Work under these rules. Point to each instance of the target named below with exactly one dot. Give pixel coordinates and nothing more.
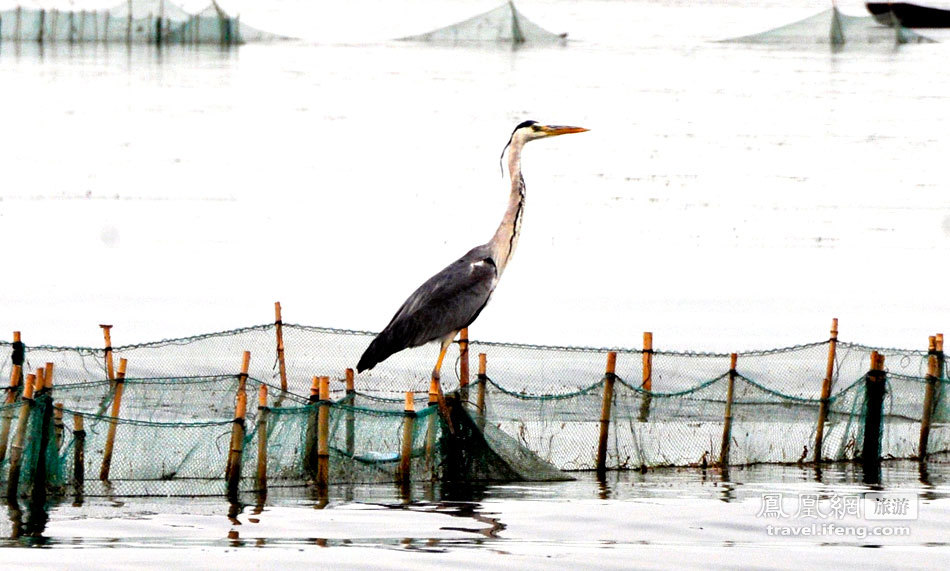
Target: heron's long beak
(552, 130)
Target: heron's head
(531, 130)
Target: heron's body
(450, 300)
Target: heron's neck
(505, 240)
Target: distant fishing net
(832, 27)
(534, 414)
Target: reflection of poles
(727, 416)
(609, 378)
(826, 390)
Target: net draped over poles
(535, 412)
(831, 27)
(503, 24)
(131, 22)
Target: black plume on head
(524, 124)
(527, 123)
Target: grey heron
(450, 300)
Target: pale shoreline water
(653, 520)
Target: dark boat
(909, 15)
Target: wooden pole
(279, 328)
(113, 423)
(431, 426)
(79, 452)
(48, 377)
(232, 471)
(826, 390)
(310, 453)
(7, 419)
(929, 390)
(350, 417)
(16, 450)
(609, 378)
(323, 434)
(482, 381)
(18, 356)
(875, 382)
(262, 415)
(463, 358)
(405, 457)
(58, 426)
(727, 417)
(107, 334)
(237, 444)
(647, 376)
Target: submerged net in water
(536, 412)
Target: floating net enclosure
(503, 24)
(180, 417)
(831, 27)
(130, 22)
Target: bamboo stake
(263, 412)
(48, 377)
(727, 417)
(16, 450)
(875, 383)
(279, 328)
(310, 453)
(431, 426)
(826, 390)
(19, 355)
(609, 378)
(110, 368)
(8, 415)
(113, 423)
(58, 426)
(350, 417)
(79, 452)
(463, 358)
(647, 376)
(237, 444)
(323, 434)
(232, 471)
(482, 381)
(405, 457)
(929, 390)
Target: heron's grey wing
(446, 302)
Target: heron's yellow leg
(436, 378)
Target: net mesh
(135, 21)
(831, 27)
(503, 24)
(538, 413)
